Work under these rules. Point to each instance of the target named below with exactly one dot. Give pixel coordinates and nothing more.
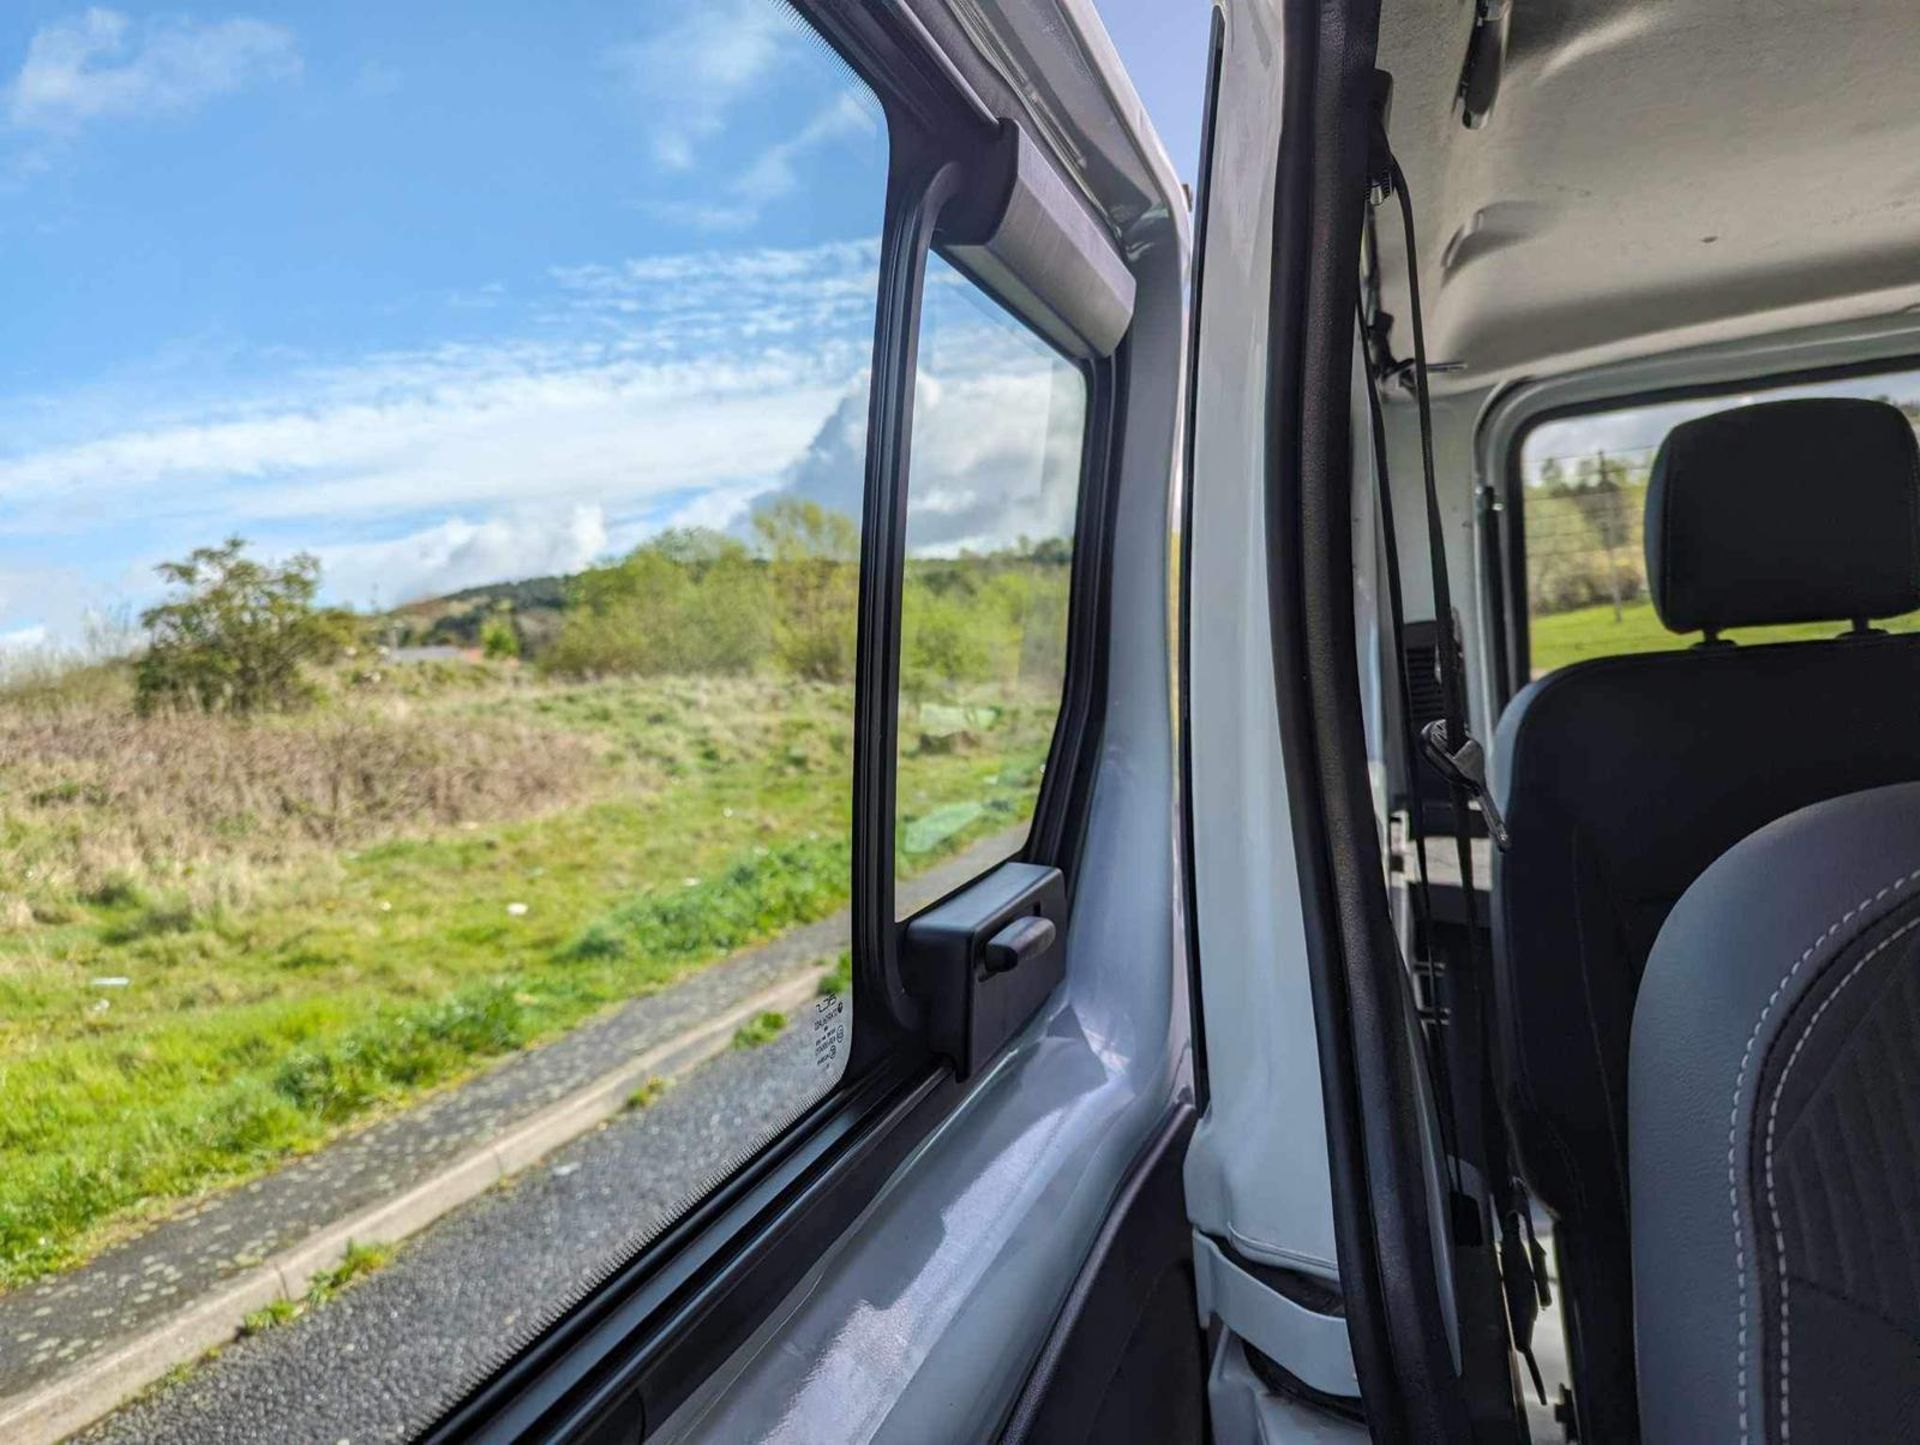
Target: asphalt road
(375, 1363)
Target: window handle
(1020, 940)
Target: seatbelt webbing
(1453, 751)
(1434, 1055)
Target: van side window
(993, 489)
(432, 461)
(1582, 490)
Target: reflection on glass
(998, 425)
(1585, 498)
(430, 470)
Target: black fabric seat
(1623, 779)
(1774, 1114)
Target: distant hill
(538, 605)
(455, 620)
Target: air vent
(1426, 701)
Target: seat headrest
(1786, 511)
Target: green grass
(359, 1261)
(1556, 639)
(649, 1093)
(322, 986)
(838, 979)
(760, 1030)
(270, 1315)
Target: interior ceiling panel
(1656, 173)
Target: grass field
(1558, 638)
(228, 940)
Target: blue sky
(1163, 44)
(442, 302)
(437, 302)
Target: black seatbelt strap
(1450, 747)
(1453, 751)
(1435, 1052)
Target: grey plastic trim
(1246, 1412)
(1052, 258)
(1258, 1173)
(1312, 1347)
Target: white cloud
(713, 370)
(631, 430)
(702, 380)
(689, 76)
(996, 453)
(458, 553)
(100, 66)
(773, 174)
(702, 215)
(997, 439)
(718, 509)
(698, 277)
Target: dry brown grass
(95, 801)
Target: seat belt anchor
(1465, 767)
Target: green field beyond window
(433, 462)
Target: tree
(726, 620)
(686, 601)
(813, 557)
(1603, 502)
(499, 638)
(239, 638)
(624, 618)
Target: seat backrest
(1622, 779)
(1774, 1113)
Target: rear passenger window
(993, 488)
(1582, 489)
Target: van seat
(1624, 778)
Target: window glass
(431, 459)
(998, 427)
(1585, 480)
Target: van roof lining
(1656, 174)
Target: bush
(948, 639)
(995, 619)
(813, 558)
(238, 640)
(499, 639)
(685, 602)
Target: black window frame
(614, 1361)
(886, 1016)
(1505, 544)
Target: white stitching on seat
(1773, 1114)
(1733, 1132)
